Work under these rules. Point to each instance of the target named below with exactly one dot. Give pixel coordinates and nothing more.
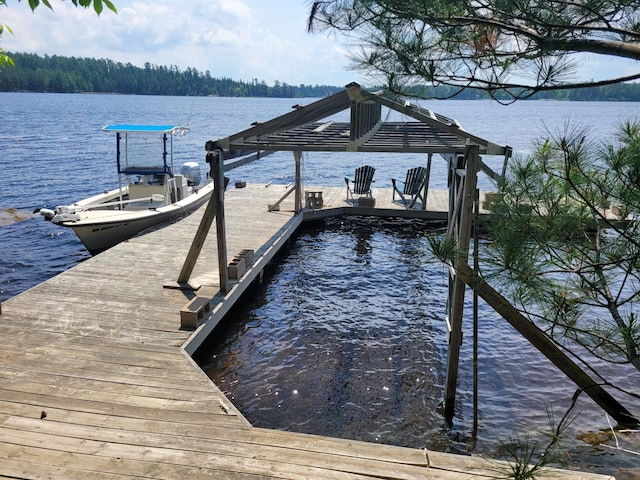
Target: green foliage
(98, 5)
(527, 456)
(509, 49)
(33, 73)
(54, 73)
(4, 58)
(444, 248)
(557, 249)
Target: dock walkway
(96, 380)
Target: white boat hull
(150, 191)
(100, 229)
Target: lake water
(379, 371)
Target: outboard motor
(191, 171)
(47, 213)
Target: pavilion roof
(308, 128)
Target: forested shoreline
(35, 73)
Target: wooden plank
(99, 442)
(319, 449)
(216, 426)
(43, 401)
(72, 464)
(15, 469)
(64, 339)
(115, 397)
(46, 322)
(113, 383)
(118, 373)
(121, 358)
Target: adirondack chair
(361, 184)
(413, 188)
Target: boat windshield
(145, 149)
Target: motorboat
(150, 192)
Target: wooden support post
(215, 209)
(298, 198)
(201, 234)
(276, 206)
(426, 181)
(507, 155)
(221, 233)
(546, 346)
(462, 189)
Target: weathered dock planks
(96, 380)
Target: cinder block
(313, 200)
(366, 202)
(195, 312)
(248, 256)
(236, 268)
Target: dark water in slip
(346, 336)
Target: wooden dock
(96, 378)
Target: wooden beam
(545, 345)
(460, 229)
(425, 116)
(315, 111)
(246, 159)
(218, 190)
(276, 206)
(425, 193)
(201, 233)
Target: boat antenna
(193, 101)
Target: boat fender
(47, 213)
(65, 217)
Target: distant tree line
(33, 73)
(620, 92)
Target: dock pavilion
(310, 128)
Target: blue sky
(239, 39)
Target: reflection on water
(13, 215)
(346, 338)
(322, 349)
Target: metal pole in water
(476, 269)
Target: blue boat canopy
(138, 153)
(131, 128)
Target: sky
(239, 39)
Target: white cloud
(245, 39)
(240, 39)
